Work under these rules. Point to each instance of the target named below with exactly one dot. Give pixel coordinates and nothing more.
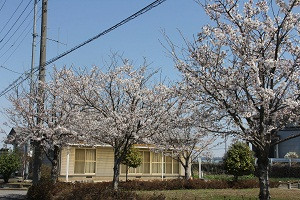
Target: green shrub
(239, 160)
(45, 172)
(40, 191)
(9, 163)
(284, 170)
(46, 190)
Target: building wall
(104, 167)
(292, 145)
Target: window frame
(85, 161)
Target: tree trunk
(54, 169)
(263, 176)
(37, 162)
(6, 178)
(187, 175)
(116, 176)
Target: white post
(68, 159)
(199, 162)
(162, 166)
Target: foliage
(133, 158)
(46, 190)
(187, 133)
(9, 163)
(119, 107)
(45, 172)
(89, 191)
(244, 66)
(239, 160)
(291, 155)
(285, 170)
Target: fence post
(298, 185)
(289, 185)
(200, 171)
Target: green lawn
(230, 177)
(232, 194)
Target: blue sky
(73, 21)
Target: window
(170, 165)
(144, 168)
(85, 161)
(156, 163)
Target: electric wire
(8, 69)
(27, 28)
(17, 46)
(15, 22)
(16, 30)
(2, 5)
(11, 16)
(26, 74)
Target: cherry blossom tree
(58, 118)
(122, 107)
(245, 66)
(187, 135)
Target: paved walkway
(12, 194)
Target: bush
(45, 172)
(9, 163)
(284, 170)
(89, 191)
(239, 160)
(46, 190)
(40, 191)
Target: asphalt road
(12, 194)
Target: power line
(17, 46)
(15, 22)
(2, 5)
(16, 39)
(11, 16)
(9, 69)
(28, 31)
(26, 75)
(16, 29)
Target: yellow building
(79, 163)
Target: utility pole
(38, 153)
(34, 35)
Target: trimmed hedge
(94, 191)
(46, 190)
(284, 170)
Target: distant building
(292, 145)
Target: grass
(230, 177)
(232, 194)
